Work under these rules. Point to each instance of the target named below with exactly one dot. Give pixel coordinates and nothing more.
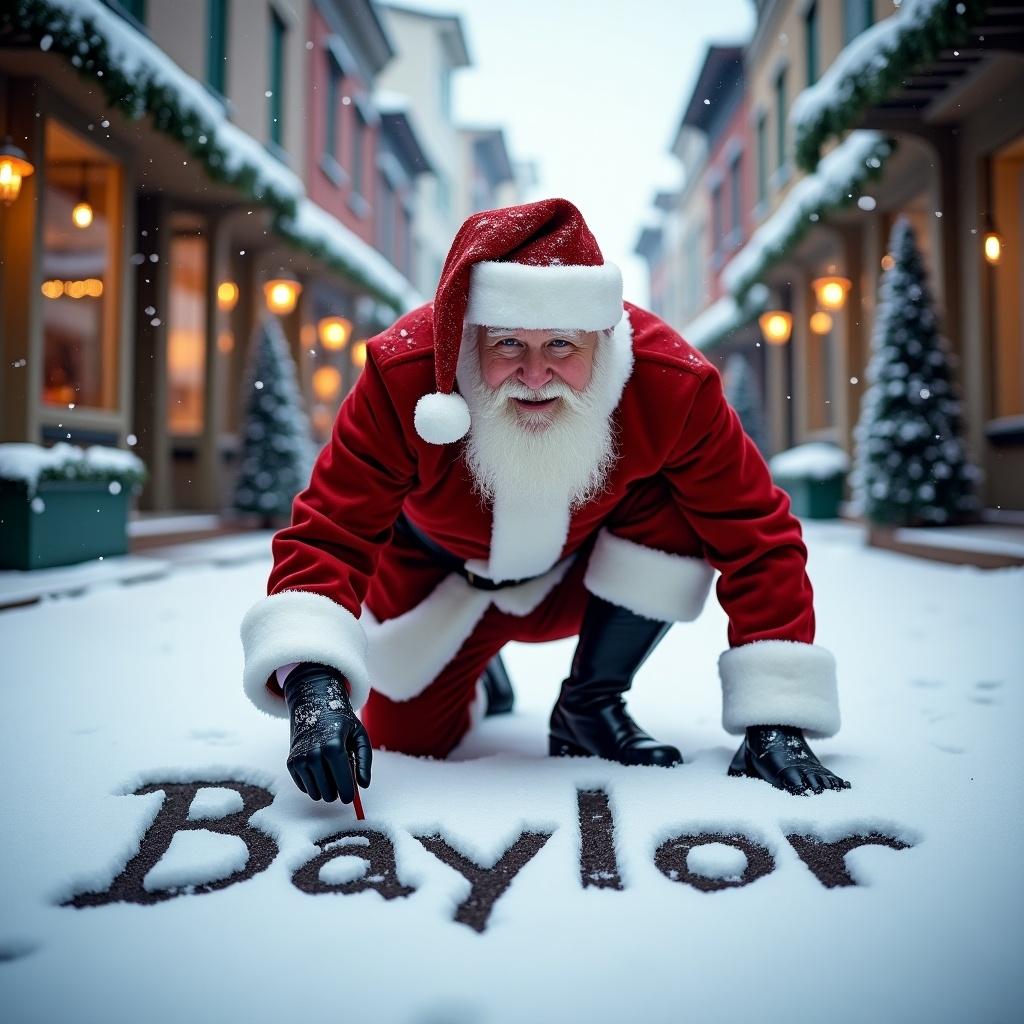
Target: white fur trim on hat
(656, 584)
(441, 418)
(545, 298)
(297, 625)
(779, 682)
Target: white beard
(558, 457)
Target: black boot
(779, 754)
(497, 688)
(590, 717)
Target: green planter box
(67, 521)
(813, 499)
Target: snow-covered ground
(132, 685)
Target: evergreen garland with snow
(931, 26)
(911, 463)
(741, 393)
(278, 450)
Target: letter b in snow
(172, 818)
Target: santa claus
(528, 458)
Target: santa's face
(536, 371)
(540, 412)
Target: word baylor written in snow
(598, 863)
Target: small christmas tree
(911, 463)
(278, 450)
(741, 394)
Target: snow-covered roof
(864, 66)
(724, 316)
(325, 232)
(839, 174)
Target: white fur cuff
(652, 583)
(779, 682)
(545, 298)
(297, 625)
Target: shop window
(811, 34)
(358, 152)
(278, 31)
(217, 46)
(81, 228)
(186, 334)
(1007, 277)
(857, 16)
(762, 157)
(821, 399)
(781, 113)
(332, 112)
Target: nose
(534, 371)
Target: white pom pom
(442, 419)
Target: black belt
(443, 556)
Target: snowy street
(139, 685)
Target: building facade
(184, 157)
(858, 113)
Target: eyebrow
(511, 332)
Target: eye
(560, 343)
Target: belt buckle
(470, 577)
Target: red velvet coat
(689, 493)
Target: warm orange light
(821, 322)
(227, 296)
(888, 261)
(282, 294)
(993, 247)
(326, 383)
(82, 215)
(225, 342)
(776, 326)
(334, 332)
(91, 287)
(831, 291)
(13, 167)
(359, 353)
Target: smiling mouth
(535, 404)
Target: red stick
(357, 803)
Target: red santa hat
(534, 267)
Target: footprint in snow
(16, 949)
(949, 748)
(215, 737)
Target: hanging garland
(53, 28)
(836, 196)
(947, 26)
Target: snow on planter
(814, 461)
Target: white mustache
(553, 389)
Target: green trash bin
(812, 475)
(64, 522)
(64, 504)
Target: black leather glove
(325, 734)
(779, 754)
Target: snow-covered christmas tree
(741, 394)
(911, 464)
(278, 450)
